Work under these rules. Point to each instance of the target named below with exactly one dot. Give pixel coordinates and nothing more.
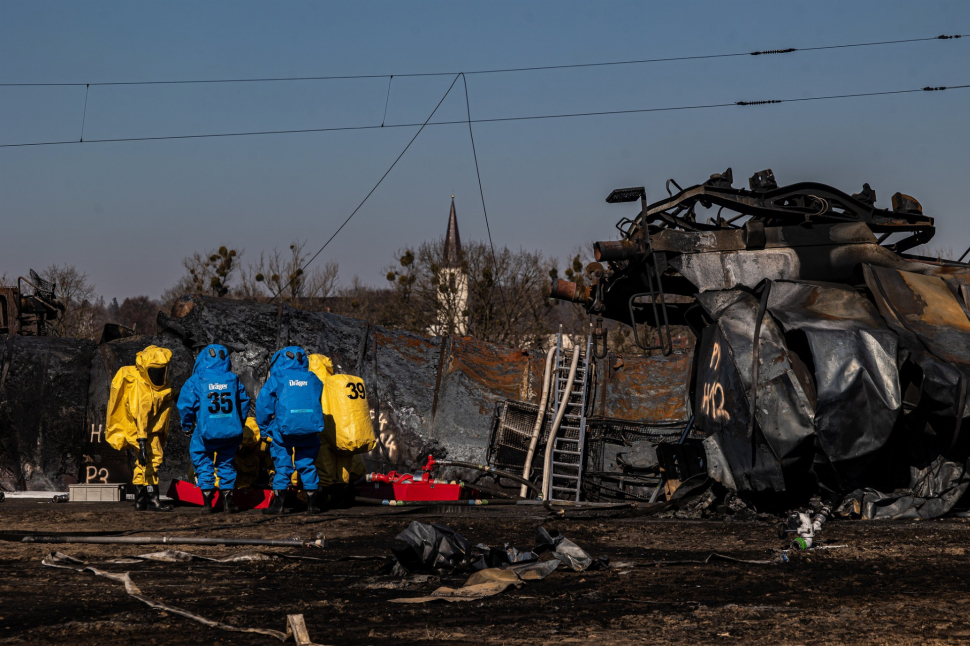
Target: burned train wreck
(829, 361)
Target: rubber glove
(143, 452)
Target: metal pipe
(607, 250)
(171, 540)
(475, 502)
(547, 463)
(567, 290)
(537, 429)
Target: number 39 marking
(356, 391)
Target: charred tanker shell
(854, 380)
(43, 390)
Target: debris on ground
(438, 548)
(295, 629)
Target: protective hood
(290, 358)
(152, 364)
(213, 358)
(321, 366)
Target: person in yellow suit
(139, 408)
(253, 458)
(337, 471)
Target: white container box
(97, 492)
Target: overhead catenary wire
(504, 70)
(84, 114)
(566, 115)
(468, 111)
(369, 193)
(387, 99)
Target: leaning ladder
(568, 451)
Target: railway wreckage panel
(828, 362)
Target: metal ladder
(568, 452)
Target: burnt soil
(895, 582)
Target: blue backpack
(213, 398)
(289, 402)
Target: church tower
(452, 284)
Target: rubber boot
(154, 504)
(207, 496)
(313, 501)
(348, 495)
(276, 506)
(141, 499)
(228, 505)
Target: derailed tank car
(829, 361)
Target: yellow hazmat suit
(333, 466)
(139, 407)
(253, 456)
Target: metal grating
(511, 433)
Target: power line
(387, 100)
(481, 192)
(506, 70)
(369, 193)
(702, 106)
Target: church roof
(453, 254)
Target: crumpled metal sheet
(934, 490)
(934, 329)
(784, 414)
(855, 377)
(831, 389)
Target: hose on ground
(487, 469)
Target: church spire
(453, 254)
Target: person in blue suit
(288, 409)
(215, 403)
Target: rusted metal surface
(645, 389)
(476, 377)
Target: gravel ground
(893, 583)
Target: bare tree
(506, 294)
(75, 291)
(281, 273)
(209, 274)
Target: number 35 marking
(356, 391)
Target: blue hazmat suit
(288, 409)
(215, 401)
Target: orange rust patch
(939, 305)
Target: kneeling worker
(138, 412)
(215, 403)
(288, 410)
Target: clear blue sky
(126, 213)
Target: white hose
(537, 429)
(563, 403)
